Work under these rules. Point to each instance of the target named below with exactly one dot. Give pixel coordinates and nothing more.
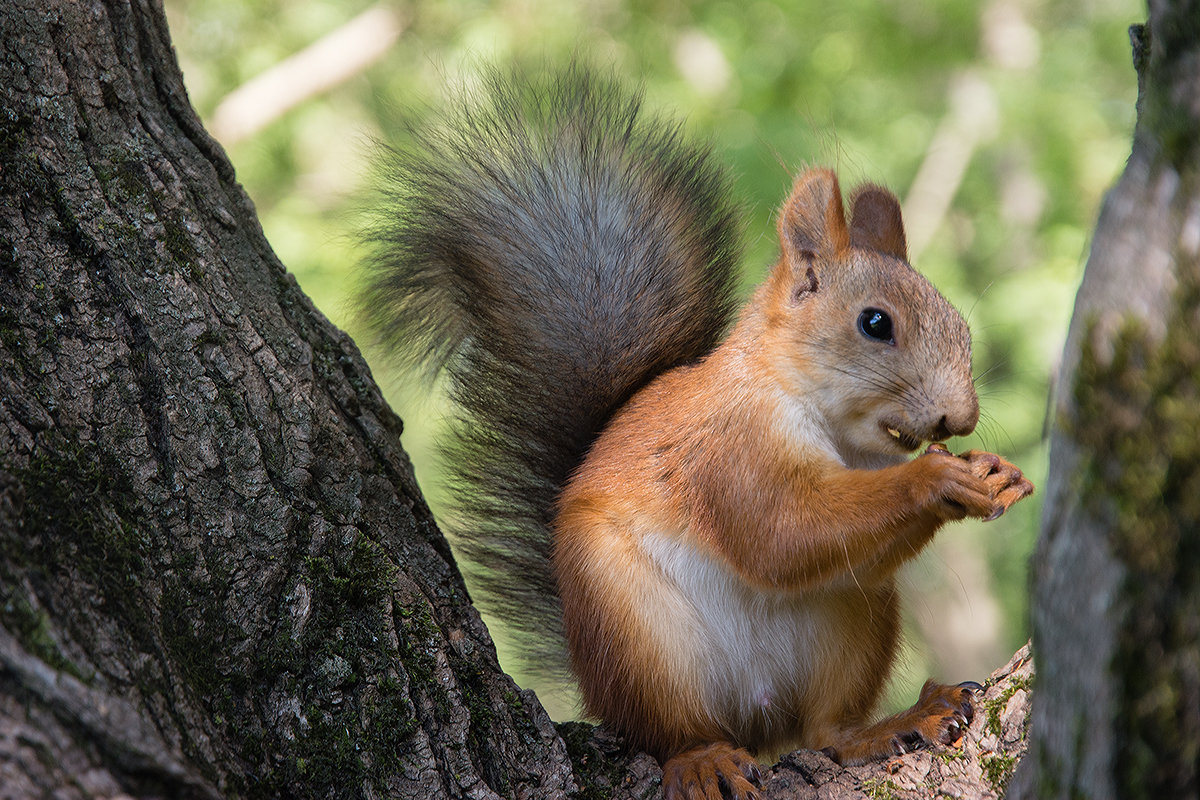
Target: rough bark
(1117, 570)
(217, 575)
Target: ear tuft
(812, 222)
(876, 223)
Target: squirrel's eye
(876, 324)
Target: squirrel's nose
(958, 424)
(943, 431)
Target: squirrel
(707, 508)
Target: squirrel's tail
(549, 249)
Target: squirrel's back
(550, 249)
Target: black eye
(876, 324)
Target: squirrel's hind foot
(939, 717)
(702, 772)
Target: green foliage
(1038, 97)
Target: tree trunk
(1117, 570)
(217, 575)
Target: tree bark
(217, 575)
(1117, 569)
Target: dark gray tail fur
(550, 249)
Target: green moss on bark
(597, 773)
(994, 708)
(31, 627)
(998, 771)
(322, 666)
(77, 524)
(1137, 419)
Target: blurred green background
(999, 124)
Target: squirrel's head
(858, 334)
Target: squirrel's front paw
(977, 483)
(956, 489)
(1004, 480)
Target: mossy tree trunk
(1117, 571)
(217, 577)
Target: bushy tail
(548, 248)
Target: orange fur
(725, 554)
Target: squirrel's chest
(772, 664)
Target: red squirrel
(708, 517)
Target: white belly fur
(764, 656)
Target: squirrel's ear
(812, 222)
(875, 221)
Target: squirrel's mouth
(904, 439)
